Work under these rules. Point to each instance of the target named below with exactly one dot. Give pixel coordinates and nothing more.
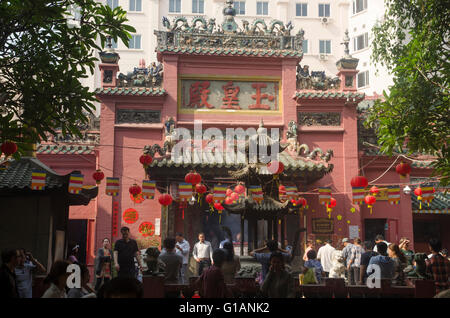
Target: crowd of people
(352, 260)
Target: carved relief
(319, 119)
(133, 116)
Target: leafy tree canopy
(42, 60)
(412, 41)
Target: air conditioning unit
(323, 57)
(325, 20)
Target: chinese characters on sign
(229, 95)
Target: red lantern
(98, 176)
(418, 191)
(330, 206)
(282, 189)
(359, 182)
(200, 188)
(146, 229)
(218, 206)
(135, 190)
(228, 192)
(370, 200)
(275, 167)
(302, 202)
(145, 160)
(234, 196)
(403, 169)
(228, 201)
(239, 189)
(193, 178)
(374, 190)
(209, 198)
(8, 148)
(165, 199)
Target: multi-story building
(363, 16)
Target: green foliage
(413, 43)
(43, 59)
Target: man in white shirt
(202, 253)
(378, 239)
(183, 248)
(325, 256)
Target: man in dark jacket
(10, 260)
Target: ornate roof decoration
(131, 91)
(142, 76)
(65, 149)
(206, 38)
(316, 80)
(330, 94)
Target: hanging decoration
(130, 216)
(330, 205)
(370, 200)
(374, 191)
(292, 192)
(75, 183)
(239, 189)
(165, 199)
(418, 192)
(219, 207)
(193, 178)
(302, 202)
(135, 190)
(184, 191)
(200, 189)
(234, 197)
(359, 182)
(228, 192)
(38, 180)
(275, 167)
(145, 160)
(257, 193)
(228, 201)
(428, 194)
(393, 194)
(403, 169)
(115, 219)
(324, 195)
(358, 195)
(8, 148)
(139, 198)
(148, 189)
(98, 176)
(219, 193)
(210, 200)
(282, 193)
(146, 229)
(112, 186)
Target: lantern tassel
(370, 207)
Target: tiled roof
(131, 91)
(439, 205)
(18, 175)
(290, 163)
(65, 149)
(231, 51)
(328, 95)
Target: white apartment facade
(363, 15)
(324, 23)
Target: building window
(135, 5)
(363, 79)
(239, 6)
(135, 42)
(359, 5)
(175, 6)
(301, 9)
(305, 46)
(112, 3)
(198, 6)
(262, 8)
(325, 46)
(324, 10)
(361, 42)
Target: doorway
(373, 227)
(77, 234)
